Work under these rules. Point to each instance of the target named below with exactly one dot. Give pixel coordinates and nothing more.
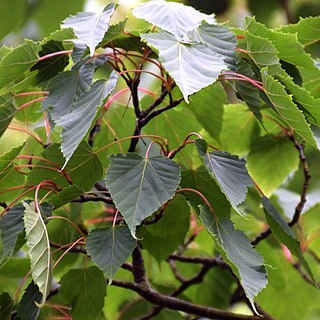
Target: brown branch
(303, 196)
(93, 198)
(75, 249)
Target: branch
(93, 198)
(303, 197)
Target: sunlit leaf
(192, 66)
(173, 17)
(228, 170)
(139, 186)
(109, 248)
(238, 252)
(90, 27)
(84, 290)
(38, 249)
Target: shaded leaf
(228, 170)
(109, 248)
(173, 17)
(50, 67)
(77, 123)
(139, 186)
(16, 62)
(90, 27)
(66, 195)
(6, 304)
(163, 238)
(192, 66)
(283, 233)
(27, 308)
(7, 112)
(65, 88)
(38, 249)
(84, 167)
(238, 252)
(270, 161)
(84, 290)
(283, 105)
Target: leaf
(163, 238)
(84, 290)
(84, 167)
(239, 129)
(201, 104)
(38, 249)
(7, 112)
(90, 27)
(219, 39)
(28, 307)
(139, 186)
(173, 17)
(284, 234)
(283, 105)
(192, 66)
(7, 158)
(65, 88)
(6, 304)
(50, 67)
(238, 252)
(228, 170)
(66, 195)
(307, 29)
(199, 179)
(110, 247)
(77, 123)
(11, 226)
(270, 161)
(16, 62)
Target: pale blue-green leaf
(139, 186)
(38, 249)
(173, 17)
(283, 232)
(109, 248)
(192, 66)
(90, 27)
(65, 88)
(238, 252)
(77, 123)
(228, 170)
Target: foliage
(151, 161)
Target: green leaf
(28, 307)
(66, 195)
(65, 88)
(219, 39)
(6, 304)
(16, 62)
(38, 249)
(173, 17)
(90, 27)
(201, 104)
(307, 29)
(238, 252)
(7, 159)
(239, 129)
(283, 105)
(270, 161)
(77, 123)
(228, 170)
(109, 248)
(84, 167)
(192, 66)
(139, 186)
(7, 112)
(50, 67)
(11, 226)
(283, 232)
(199, 179)
(163, 238)
(84, 290)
